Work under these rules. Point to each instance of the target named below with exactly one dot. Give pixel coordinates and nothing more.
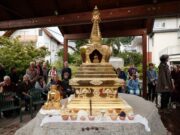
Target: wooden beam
(126, 13)
(132, 32)
(65, 55)
(144, 49)
(8, 33)
(149, 25)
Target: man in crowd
(66, 69)
(164, 83)
(2, 72)
(152, 80)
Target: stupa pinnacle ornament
(95, 37)
(95, 52)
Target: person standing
(32, 73)
(164, 83)
(45, 72)
(2, 72)
(66, 69)
(152, 81)
(14, 75)
(39, 68)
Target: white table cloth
(142, 107)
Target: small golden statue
(53, 99)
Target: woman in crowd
(52, 72)
(55, 81)
(24, 88)
(66, 89)
(133, 85)
(32, 73)
(41, 85)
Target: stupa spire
(95, 37)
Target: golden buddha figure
(53, 99)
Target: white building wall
(161, 43)
(40, 41)
(165, 39)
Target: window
(40, 32)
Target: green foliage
(131, 58)
(74, 58)
(116, 43)
(14, 53)
(79, 43)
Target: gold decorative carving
(96, 82)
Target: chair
(7, 104)
(35, 98)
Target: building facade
(165, 40)
(41, 37)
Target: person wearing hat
(164, 83)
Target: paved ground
(8, 126)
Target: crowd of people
(165, 82)
(37, 76)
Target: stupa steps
(96, 75)
(97, 65)
(97, 72)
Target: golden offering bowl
(73, 117)
(65, 117)
(91, 118)
(110, 110)
(114, 117)
(131, 117)
(83, 118)
(75, 110)
(118, 111)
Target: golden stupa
(96, 79)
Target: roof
(75, 16)
(51, 36)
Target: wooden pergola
(119, 18)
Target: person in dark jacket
(66, 69)
(2, 73)
(14, 76)
(24, 88)
(164, 83)
(66, 89)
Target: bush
(13, 53)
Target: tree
(13, 53)
(116, 43)
(81, 42)
(74, 58)
(131, 58)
